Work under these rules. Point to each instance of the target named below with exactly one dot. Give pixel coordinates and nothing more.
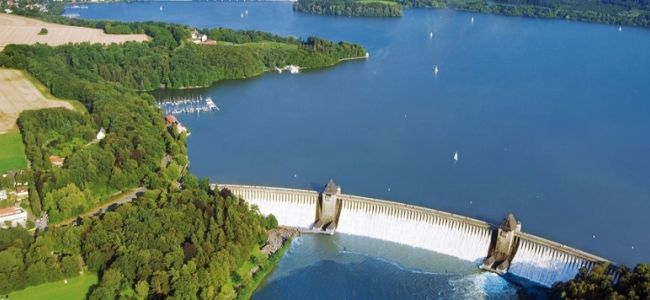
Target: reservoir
(549, 119)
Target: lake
(549, 117)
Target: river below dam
(549, 119)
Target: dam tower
(502, 247)
(328, 209)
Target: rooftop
(331, 188)
(510, 223)
(7, 211)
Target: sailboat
(456, 156)
(435, 70)
(246, 12)
(431, 34)
(242, 15)
(472, 20)
(161, 8)
(620, 28)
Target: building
(56, 160)
(12, 216)
(101, 134)
(3, 195)
(22, 192)
(171, 121)
(198, 38)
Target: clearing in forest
(17, 93)
(25, 31)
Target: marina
(187, 105)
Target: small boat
(161, 8)
(620, 28)
(431, 34)
(472, 20)
(367, 54)
(293, 69)
(435, 70)
(246, 12)
(456, 156)
(242, 15)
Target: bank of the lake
(548, 118)
(633, 14)
(254, 274)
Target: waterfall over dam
(546, 262)
(293, 208)
(428, 229)
(502, 249)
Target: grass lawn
(12, 152)
(76, 288)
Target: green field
(12, 152)
(76, 288)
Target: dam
(502, 249)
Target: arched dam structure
(503, 249)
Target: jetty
(184, 105)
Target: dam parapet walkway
(503, 249)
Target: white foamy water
(417, 229)
(294, 209)
(544, 265)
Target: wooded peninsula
(180, 238)
(623, 12)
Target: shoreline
(278, 243)
(596, 14)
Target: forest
(597, 284)
(624, 12)
(168, 243)
(180, 239)
(349, 8)
(107, 80)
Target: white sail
(435, 70)
(456, 156)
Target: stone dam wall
(533, 258)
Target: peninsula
(177, 237)
(627, 12)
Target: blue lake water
(550, 119)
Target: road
(119, 200)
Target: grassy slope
(12, 152)
(76, 288)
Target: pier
(185, 105)
(503, 249)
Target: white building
(101, 134)
(15, 215)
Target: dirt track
(21, 30)
(17, 93)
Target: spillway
(504, 249)
(432, 230)
(546, 262)
(293, 208)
